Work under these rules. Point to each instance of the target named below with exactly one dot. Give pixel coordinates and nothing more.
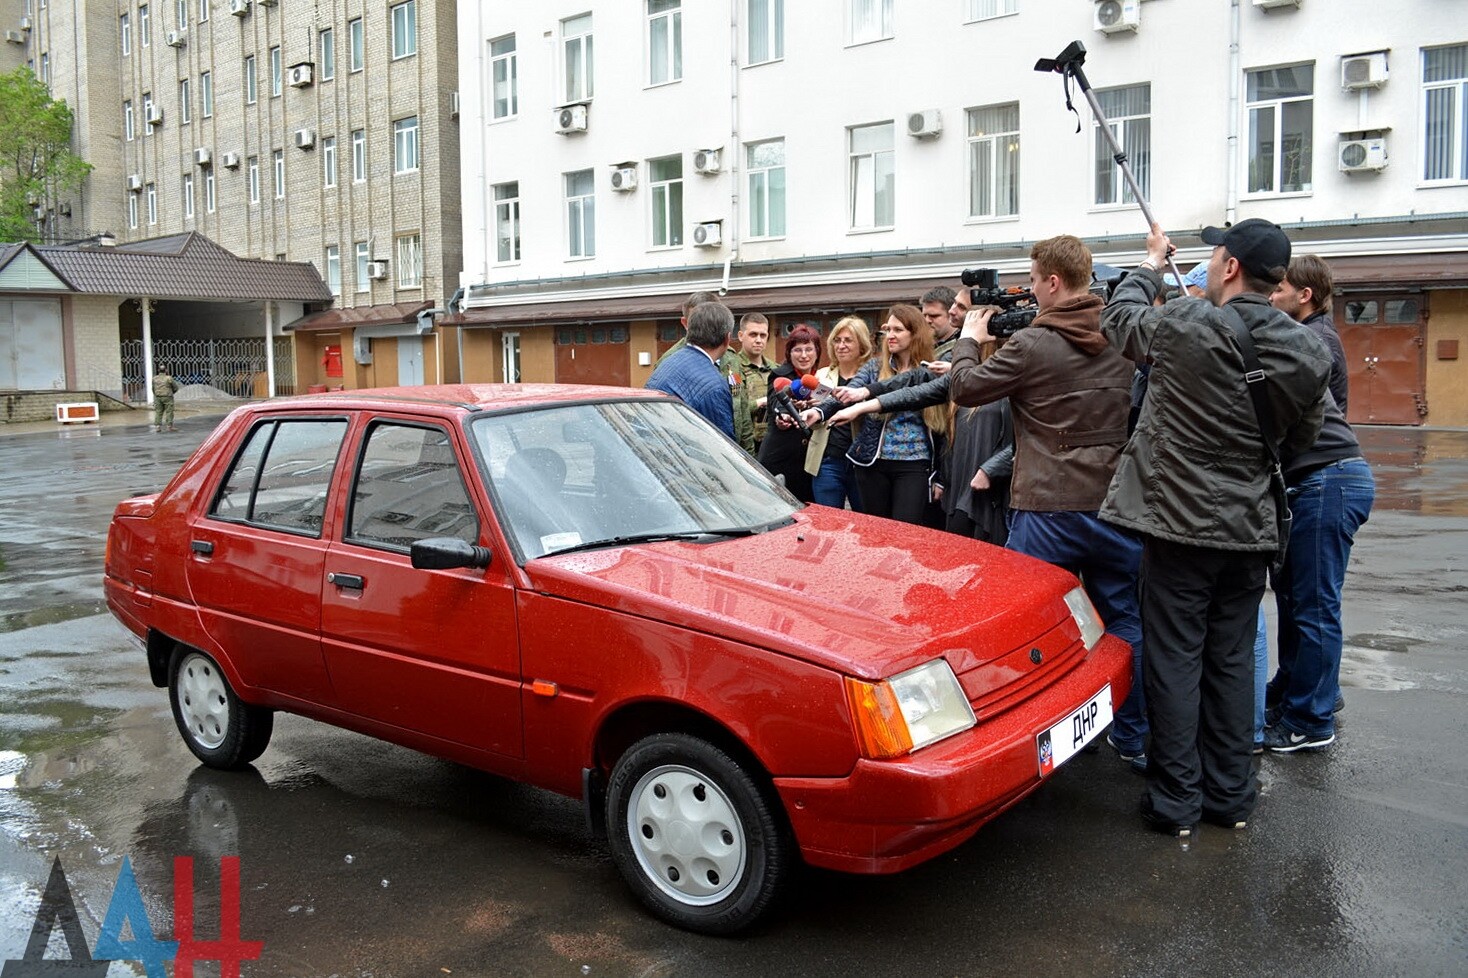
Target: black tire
(220, 729)
(717, 865)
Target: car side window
(409, 488)
(281, 477)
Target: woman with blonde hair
(897, 453)
(849, 347)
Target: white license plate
(1061, 742)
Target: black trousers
(1198, 625)
(896, 490)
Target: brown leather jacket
(1070, 394)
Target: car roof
(466, 397)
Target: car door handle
(203, 547)
(354, 581)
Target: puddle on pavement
(1418, 470)
(18, 620)
(1384, 643)
(1373, 661)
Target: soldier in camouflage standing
(164, 387)
(748, 373)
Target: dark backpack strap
(1254, 377)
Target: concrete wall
(1447, 380)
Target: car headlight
(1085, 617)
(910, 710)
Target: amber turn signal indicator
(881, 730)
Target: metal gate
(235, 366)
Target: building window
(334, 269)
(254, 180)
(993, 161)
(206, 93)
(870, 20)
(126, 29)
(504, 71)
(410, 262)
(988, 9)
(664, 41)
(275, 72)
(364, 284)
(665, 177)
(328, 161)
(354, 40)
(405, 29)
(765, 164)
(873, 179)
(45, 68)
(510, 357)
(145, 26)
(405, 145)
(580, 214)
(328, 54)
(1445, 113)
(147, 114)
(132, 210)
(188, 196)
(278, 160)
(577, 54)
(152, 192)
(250, 80)
(203, 11)
(507, 221)
(766, 41)
(1281, 128)
(209, 191)
(359, 155)
(128, 128)
(181, 13)
(1129, 111)
(185, 105)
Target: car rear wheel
(696, 835)
(221, 730)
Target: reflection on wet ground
(1418, 470)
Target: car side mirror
(439, 553)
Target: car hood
(868, 597)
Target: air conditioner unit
(176, 39)
(571, 118)
(15, 37)
(1114, 16)
(25, 22)
(377, 269)
(230, 160)
(925, 124)
(624, 178)
(709, 234)
(1362, 155)
(1363, 71)
(239, 8)
(305, 138)
(1271, 4)
(453, 105)
(153, 115)
(202, 156)
(708, 161)
(134, 182)
(299, 76)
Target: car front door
(435, 652)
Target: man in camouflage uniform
(748, 373)
(164, 387)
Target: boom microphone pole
(1068, 64)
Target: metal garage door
(31, 355)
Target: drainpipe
(147, 349)
(1235, 81)
(734, 146)
(425, 326)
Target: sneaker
(1225, 821)
(1273, 714)
(1282, 740)
(172, 428)
(1340, 703)
(1258, 748)
(1157, 823)
(1136, 759)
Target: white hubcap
(686, 834)
(203, 701)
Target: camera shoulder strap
(1254, 378)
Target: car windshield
(573, 477)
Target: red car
(594, 591)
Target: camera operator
(1069, 393)
(1195, 482)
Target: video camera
(1017, 306)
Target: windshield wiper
(623, 541)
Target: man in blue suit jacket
(692, 373)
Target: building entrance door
(593, 354)
(1384, 337)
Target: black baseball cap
(1261, 247)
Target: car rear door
(257, 554)
(431, 651)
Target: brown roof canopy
(385, 315)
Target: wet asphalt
(360, 858)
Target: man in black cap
(1194, 482)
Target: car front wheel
(221, 730)
(696, 835)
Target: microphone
(781, 404)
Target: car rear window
(281, 476)
(409, 488)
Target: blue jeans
(1261, 673)
(835, 483)
(1107, 560)
(1329, 506)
